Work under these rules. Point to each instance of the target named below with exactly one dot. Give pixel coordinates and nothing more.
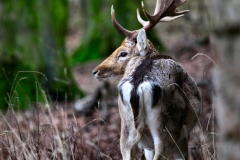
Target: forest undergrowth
(55, 131)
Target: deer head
(136, 43)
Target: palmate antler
(165, 11)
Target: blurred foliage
(32, 38)
(100, 38)
(32, 46)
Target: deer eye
(123, 54)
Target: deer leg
(146, 142)
(182, 152)
(148, 154)
(157, 148)
(189, 122)
(129, 134)
(146, 92)
(183, 146)
(128, 145)
(157, 141)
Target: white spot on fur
(126, 91)
(145, 93)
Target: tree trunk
(226, 33)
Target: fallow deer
(158, 101)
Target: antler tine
(165, 11)
(177, 15)
(160, 8)
(171, 13)
(168, 19)
(140, 20)
(118, 27)
(145, 12)
(158, 5)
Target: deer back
(167, 79)
(156, 93)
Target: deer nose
(94, 72)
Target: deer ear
(142, 42)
